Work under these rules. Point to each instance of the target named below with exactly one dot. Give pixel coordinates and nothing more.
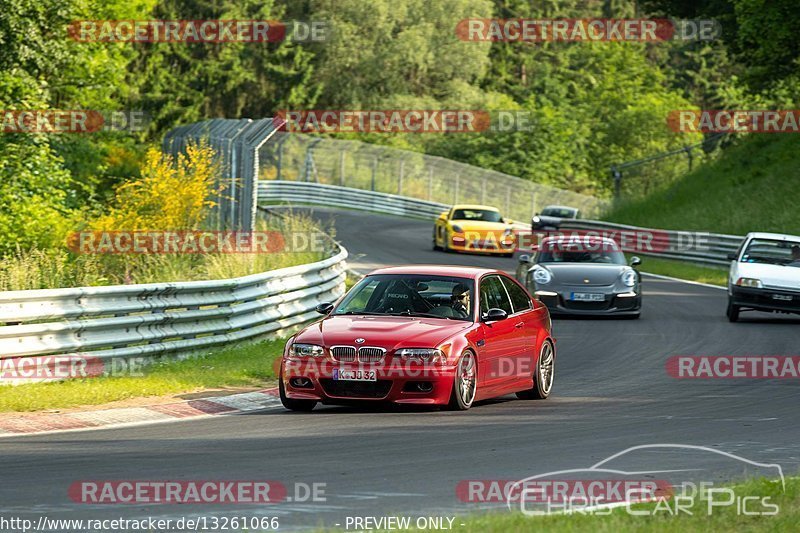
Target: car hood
(578, 273)
(771, 275)
(385, 332)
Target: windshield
(773, 252)
(598, 252)
(483, 215)
(560, 212)
(410, 295)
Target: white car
(765, 275)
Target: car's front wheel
(543, 377)
(465, 383)
(733, 311)
(292, 404)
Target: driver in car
(795, 255)
(460, 300)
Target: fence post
(508, 200)
(374, 170)
(341, 168)
(400, 181)
(533, 203)
(689, 155)
(458, 179)
(617, 176)
(430, 184)
(483, 192)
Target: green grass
(619, 520)
(683, 270)
(248, 365)
(752, 187)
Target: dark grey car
(579, 279)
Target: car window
(494, 295)
(482, 215)
(558, 212)
(772, 251)
(519, 299)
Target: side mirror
(732, 256)
(635, 261)
(525, 258)
(324, 309)
(494, 315)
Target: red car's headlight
(299, 350)
(425, 355)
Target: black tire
(436, 247)
(292, 404)
(459, 399)
(733, 311)
(446, 245)
(541, 389)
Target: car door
(500, 350)
(527, 323)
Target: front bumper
(613, 304)
(395, 383)
(781, 300)
(482, 246)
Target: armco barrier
(150, 320)
(299, 192)
(712, 249)
(696, 247)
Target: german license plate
(340, 374)
(587, 297)
(782, 297)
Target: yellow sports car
(474, 228)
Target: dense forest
(593, 104)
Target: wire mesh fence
(354, 164)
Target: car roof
(476, 206)
(560, 207)
(438, 270)
(776, 236)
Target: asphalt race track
(611, 392)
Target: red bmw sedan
(436, 335)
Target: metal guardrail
(696, 247)
(298, 192)
(681, 245)
(150, 320)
